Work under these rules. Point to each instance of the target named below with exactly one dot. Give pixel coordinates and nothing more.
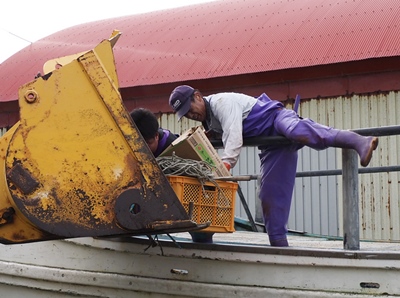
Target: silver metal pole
(351, 225)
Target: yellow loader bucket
(75, 164)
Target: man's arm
(229, 114)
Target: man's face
(153, 143)
(197, 109)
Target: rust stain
(21, 178)
(19, 236)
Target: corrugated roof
(223, 38)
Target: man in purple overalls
(158, 139)
(236, 115)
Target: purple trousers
(278, 164)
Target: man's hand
(213, 135)
(227, 165)
(210, 134)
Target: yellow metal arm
(75, 165)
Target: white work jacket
(228, 110)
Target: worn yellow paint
(20, 229)
(77, 140)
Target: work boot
(202, 237)
(279, 242)
(363, 145)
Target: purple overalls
(279, 163)
(165, 139)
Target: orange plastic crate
(211, 204)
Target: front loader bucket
(75, 165)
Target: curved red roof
(223, 38)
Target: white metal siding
(379, 193)
(315, 199)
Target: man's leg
(278, 172)
(318, 136)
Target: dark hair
(146, 122)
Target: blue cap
(180, 100)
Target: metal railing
(349, 172)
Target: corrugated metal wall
(317, 201)
(317, 204)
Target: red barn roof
(222, 39)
